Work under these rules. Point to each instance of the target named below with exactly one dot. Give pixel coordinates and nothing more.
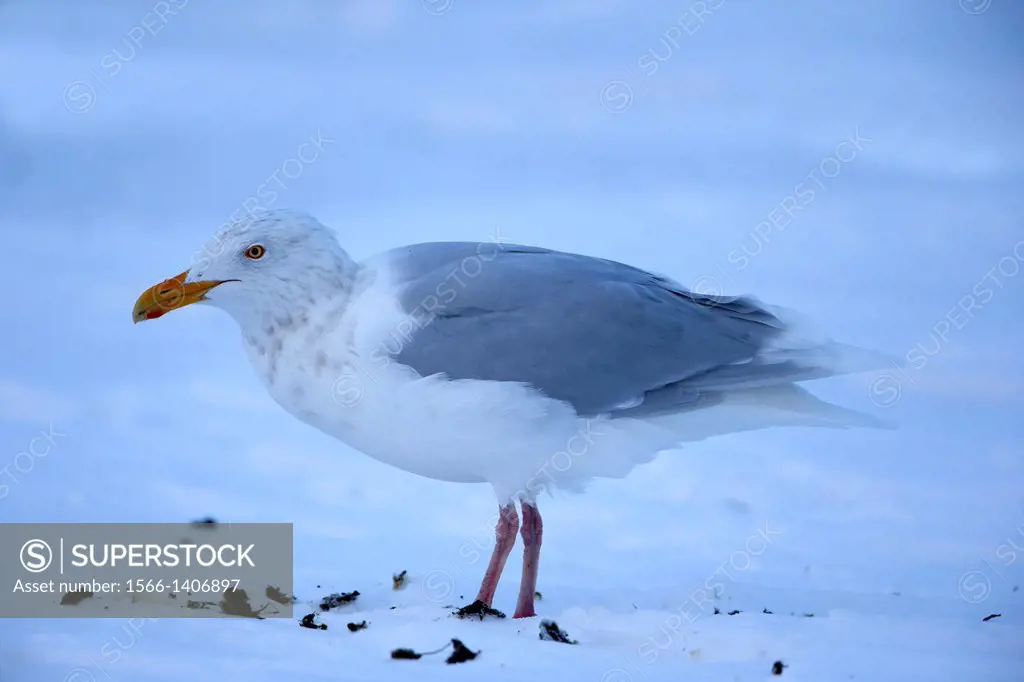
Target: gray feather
(604, 337)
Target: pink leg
(504, 539)
(533, 530)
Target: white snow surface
(624, 635)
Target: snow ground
(652, 634)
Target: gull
(526, 368)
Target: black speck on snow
(460, 653)
(309, 621)
(334, 600)
(479, 610)
(549, 631)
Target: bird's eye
(255, 252)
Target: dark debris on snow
(338, 599)
(478, 609)
(550, 632)
(309, 621)
(460, 653)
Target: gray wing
(600, 335)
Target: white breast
(342, 381)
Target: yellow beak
(170, 294)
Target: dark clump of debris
(717, 611)
(479, 610)
(550, 632)
(777, 667)
(205, 521)
(399, 580)
(236, 603)
(538, 595)
(309, 621)
(352, 627)
(991, 616)
(460, 653)
(765, 610)
(734, 612)
(335, 600)
(275, 594)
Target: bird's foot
(525, 612)
(479, 610)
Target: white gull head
(271, 268)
